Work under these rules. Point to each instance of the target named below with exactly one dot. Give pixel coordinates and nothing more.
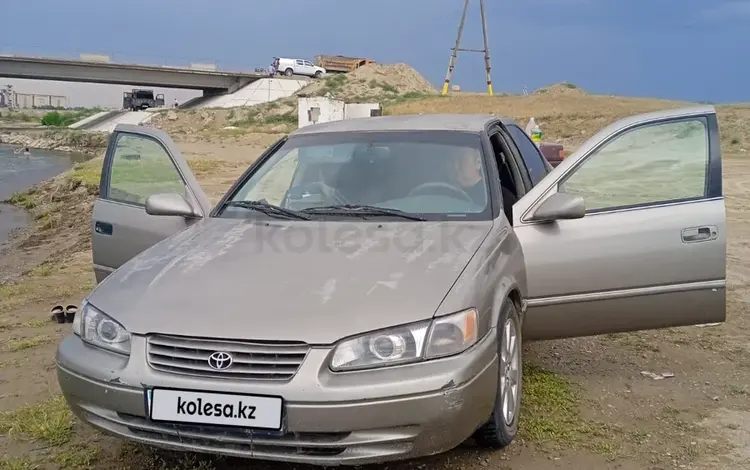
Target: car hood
(315, 282)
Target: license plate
(222, 409)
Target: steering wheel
(440, 187)
(330, 192)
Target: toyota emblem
(220, 360)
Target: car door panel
(139, 162)
(309, 68)
(129, 234)
(624, 271)
(643, 257)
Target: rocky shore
(92, 143)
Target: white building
(314, 110)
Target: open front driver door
(650, 251)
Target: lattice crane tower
(457, 47)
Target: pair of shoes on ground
(62, 314)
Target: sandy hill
(371, 81)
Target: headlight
(440, 337)
(98, 329)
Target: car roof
(410, 122)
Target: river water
(18, 172)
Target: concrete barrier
(96, 119)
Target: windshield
(437, 175)
(144, 95)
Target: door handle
(103, 228)
(699, 234)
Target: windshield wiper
(361, 210)
(269, 209)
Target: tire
(498, 432)
(318, 74)
(288, 72)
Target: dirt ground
(589, 403)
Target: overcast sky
(683, 49)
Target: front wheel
(502, 427)
(318, 74)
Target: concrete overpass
(211, 82)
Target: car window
(436, 174)
(140, 168)
(651, 164)
(273, 184)
(299, 62)
(530, 152)
(309, 64)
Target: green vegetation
(77, 457)
(50, 421)
(550, 413)
(66, 118)
(23, 199)
(26, 343)
(332, 84)
(16, 116)
(88, 173)
(259, 115)
(17, 464)
(13, 294)
(28, 324)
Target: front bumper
(330, 419)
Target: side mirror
(169, 204)
(560, 206)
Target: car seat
(362, 180)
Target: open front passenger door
(629, 232)
(140, 162)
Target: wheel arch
(511, 293)
(514, 294)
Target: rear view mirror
(560, 206)
(169, 204)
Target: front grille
(253, 360)
(242, 441)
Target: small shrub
(388, 88)
(66, 118)
(52, 118)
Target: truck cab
(140, 99)
(304, 67)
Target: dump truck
(341, 64)
(141, 99)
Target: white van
(291, 67)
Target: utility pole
(457, 47)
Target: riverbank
(61, 140)
(21, 171)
